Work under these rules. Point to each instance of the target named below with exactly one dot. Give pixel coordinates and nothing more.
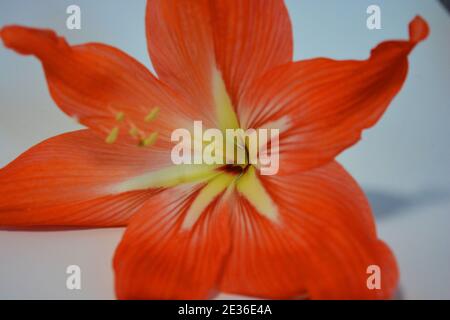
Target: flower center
(214, 179)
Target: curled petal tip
(26, 40)
(418, 29)
(15, 37)
(8, 33)
(3, 34)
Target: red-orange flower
(193, 229)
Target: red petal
(158, 259)
(95, 83)
(251, 37)
(67, 181)
(189, 40)
(322, 105)
(320, 249)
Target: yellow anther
(134, 132)
(151, 139)
(112, 136)
(120, 116)
(152, 115)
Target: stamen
(112, 136)
(150, 140)
(152, 115)
(120, 116)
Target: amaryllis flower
(193, 230)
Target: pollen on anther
(152, 115)
(112, 136)
(150, 140)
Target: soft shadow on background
(446, 4)
(386, 205)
